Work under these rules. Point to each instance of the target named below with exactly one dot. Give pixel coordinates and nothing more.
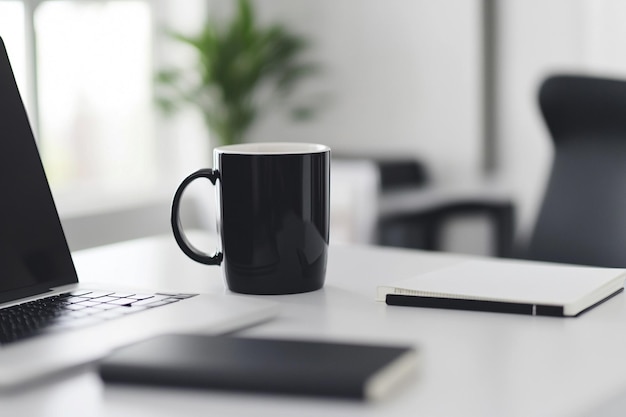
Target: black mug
(273, 216)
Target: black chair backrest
(582, 218)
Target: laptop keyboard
(75, 309)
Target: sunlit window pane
(94, 71)
(12, 33)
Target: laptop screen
(34, 255)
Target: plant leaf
(237, 60)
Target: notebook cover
(261, 365)
(508, 286)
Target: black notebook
(262, 365)
(508, 286)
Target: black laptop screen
(33, 250)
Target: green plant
(242, 70)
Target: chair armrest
(427, 208)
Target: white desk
(473, 363)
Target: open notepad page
(571, 289)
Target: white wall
(400, 76)
(537, 38)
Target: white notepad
(508, 286)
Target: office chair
(582, 218)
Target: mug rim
(272, 148)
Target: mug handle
(177, 227)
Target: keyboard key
(78, 293)
(123, 294)
(74, 307)
(130, 309)
(76, 299)
(176, 295)
(105, 306)
(157, 303)
(140, 296)
(107, 298)
(146, 301)
(121, 301)
(171, 299)
(87, 303)
(97, 294)
(184, 296)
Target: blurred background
(424, 103)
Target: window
(95, 92)
(92, 106)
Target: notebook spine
(473, 305)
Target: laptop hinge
(22, 293)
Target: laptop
(49, 322)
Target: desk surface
(473, 363)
